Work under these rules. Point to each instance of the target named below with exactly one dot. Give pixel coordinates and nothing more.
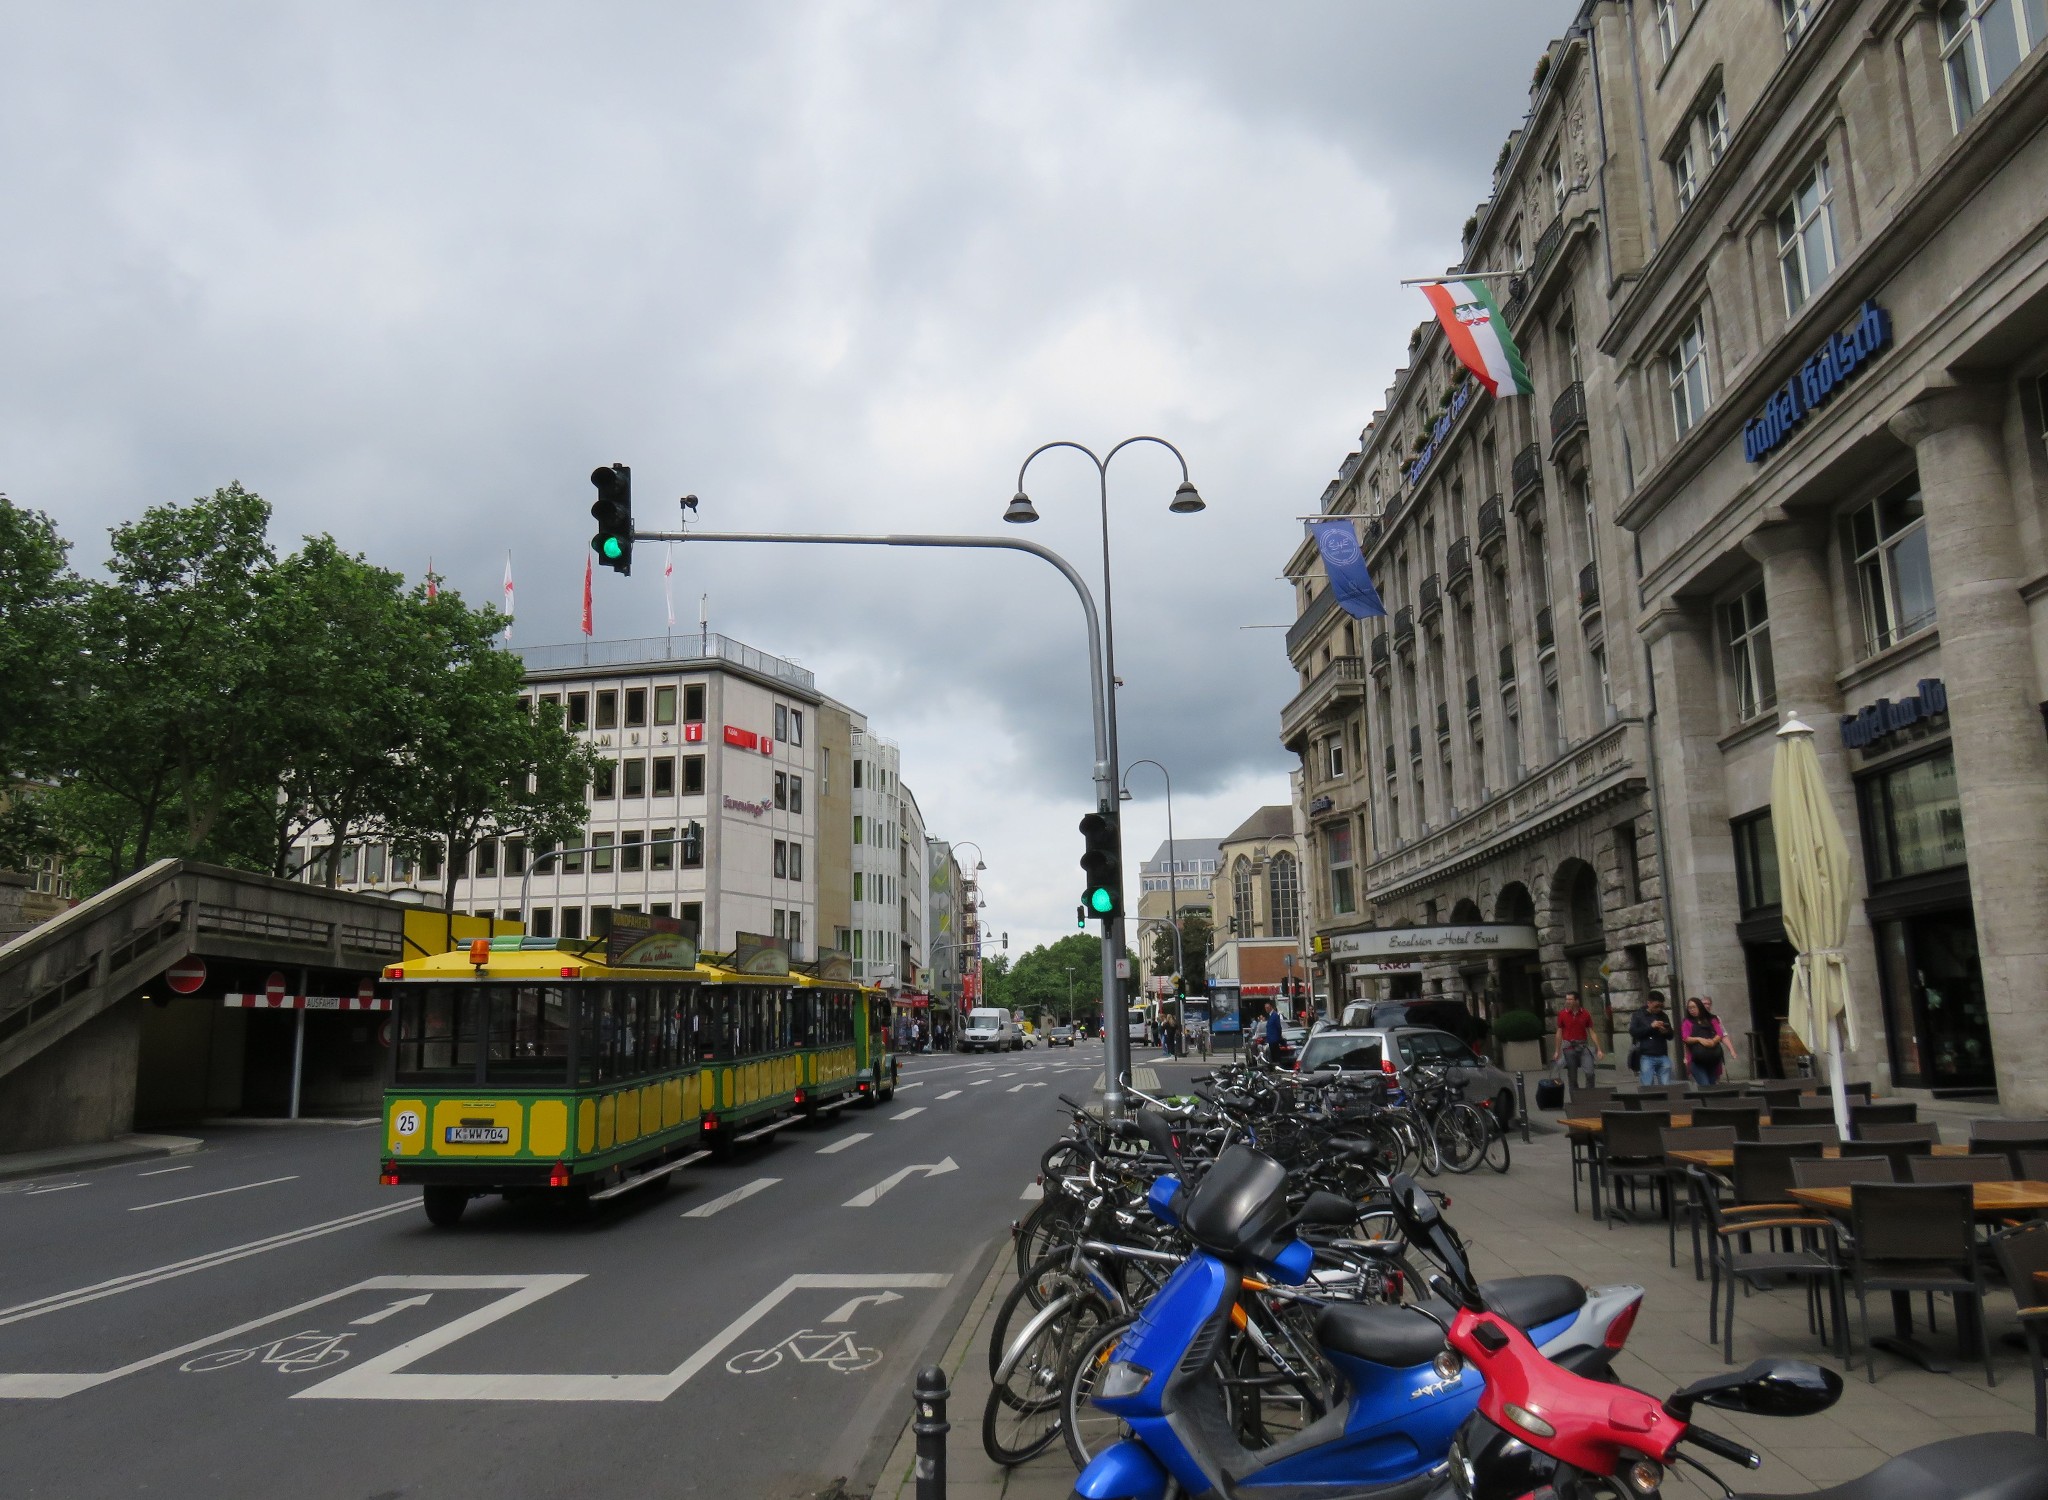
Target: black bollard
(1522, 1103)
(930, 1393)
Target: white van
(991, 1030)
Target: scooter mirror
(1767, 1388)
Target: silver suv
(1369, 1048)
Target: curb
(122, 1148)
(897, 1476)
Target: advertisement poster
(635, 940)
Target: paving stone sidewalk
(1523, 1224)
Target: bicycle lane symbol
(294, 1354)
(835, 1351)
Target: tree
(1194, 942)
(39, 661)
(1038, 980)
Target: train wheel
(444, 1205)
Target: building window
(692, 846)
(858, 824)
(1628, 867)
(693, 776)
(1241, 897)
(782, 790)
(373, 865)
(543, 923)
(348, 866)
(1343, 896)
(635, 777)
(1913, 818)
(1667, 27)
(693, 703)
(1554, 170)
(664, 705)
(604, 780)
(515, 856)
(782, 721)
(630, 857)
(1597, 659)
(1888, 538)
(1756, 862)
(1283, 895)
(796, 730)
(859, 885)
(1553, 713)
(1806, 236)
(601, 853)
(579, 711)
(572, 922)
(1511, 734)
(1686, 366)
(572, 857)
(693, 916)
(1714, 127)
(781, 860)
(796, 860)
(664, 775)
(1746, 625)
(486, 858)
(608, 710)
(859, 772)
(636, 708)
(1333, 757)
(796, 794)
(1796, 16)
(1982, 42)
(661, 849)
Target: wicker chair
(1983, 1167)
(1861, 1115)
(2022, 1257)
(1733, 1261)
(1917, 1237)
(1744, 1120)
(1921, 1131)
(1682, 1188)
(1631, 1154)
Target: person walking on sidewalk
(1576, 1049)
(1650, 1030)
(1706, 1042)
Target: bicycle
(836, 1351)
(293, 1354)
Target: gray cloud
(412, 271)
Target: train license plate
(477, 1135)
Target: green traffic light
(1099, 899)
(612, 549)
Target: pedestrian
(1650, 1030)
(1576, 1049)
(1272, 1034)
(1707, 1047)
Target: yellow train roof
(535, 959)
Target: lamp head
(1186, 501)
(1021, 511)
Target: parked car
(1439, 1015)
(1395, 1050)
(1060, 1036)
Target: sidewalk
(1523, 1224)
(55, 1160)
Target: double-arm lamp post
(1186, 501)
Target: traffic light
(1081, 917)
(613, 512)
(1102, 861)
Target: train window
(436, 1035)
(527, 1040)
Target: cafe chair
(1824, 1095)
(1920, 1131)
(1899, 1153)
(1631, 1154)
(1776, 1093)
(1744, 1121)
(1587, 1101)
(1807, 1254)
(1982, 1168)
(1803, 1114)
(1840, 1171)
(2008, 1138)
(1585, 1149)
(1799, 1135)
(1861, 1115)
(1917, 1237)
(1682, 1188)
(1714, 1093)
(2033, 1166)
(2023, 1259)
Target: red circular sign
(384, 1034)
(186, 975)
(273, 987)
(366, 989)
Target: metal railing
(1568, 411)
(1319, 609)
(1589, 585)
(1381, 651)
(1404, 625)
(1546, 635)
(1472, 694)
(1458, 562)
(1507, 664)
(1527, 471)
(680, 650)
(1431, 596)
(1493, 520)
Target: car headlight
(1123, 1379)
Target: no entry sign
(273, 987)
(186, 975)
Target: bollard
(929, 1394)
(1522, 1102)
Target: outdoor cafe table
(1722, 1159)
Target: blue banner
(1346, 566)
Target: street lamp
(1186, 501)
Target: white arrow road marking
(949, 1094)
(906, 1114)
(845, 1311)
(873, 1195)
(1032, 1192)
(838, 1146)
(216, 1193)
(384, 1312)
(727, 1200)
(1016, 1087)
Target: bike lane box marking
(383, 1377)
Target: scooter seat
(1988, 1466)
(1402, 1337)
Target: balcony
(1303, 630)
(1379, 652)
(1546, 247)
(1527, 472)
(1431, 597)
(1374, 530)
(1589, 586)
(1443, 721)
(1392, 763)
(1328, 694)
(1546, 636)
(1507, 665)
(1458, 563)
(1472, 695)
(1404, 627)
(1493, 523)
(1415, 742)
(1568, 414)
(1512, 308)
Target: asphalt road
(262, 1319)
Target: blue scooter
(1407, 1393)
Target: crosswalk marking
(906, 1114)
(739, 1194)
(852, 1140)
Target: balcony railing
(1393, 762)
(1546, 637)
(1303, 629)
(1343, 677)
(1374, 529)
(1568, 411)
(1528, 471)
(1472, 694)
(1458, 562)
(1589, 585)
(1507, 664)
(1404, 625)
(1415, 742)
(1432, 596)
(1493, 522)
(1443, 721)
(1379, 651)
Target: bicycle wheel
(1430, 1153)
(1045, 1280)
(1024, 1413)
(1050, 1225)
(1461, 1136)
(1496, 1150)
(1088, 1430)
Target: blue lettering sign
(1815, 382)
(1439, 430)
(1884, 718)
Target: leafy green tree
(1038, 981)
(1194, 938)
(39, 662)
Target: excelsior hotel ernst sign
(1443, 942)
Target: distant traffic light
(1081, 917)
(1102, 862)
(613, 512)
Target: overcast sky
(411, 271)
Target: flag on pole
(508, 598)
(668, 584)
(1345, 564)
(433, 583)
(1479, 335)
(587, 630)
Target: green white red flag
(1479, 335)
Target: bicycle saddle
(1987, 1466)
(1401, 1337)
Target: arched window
(1241, 896)
(1283, 895)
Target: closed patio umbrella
(1813, 882)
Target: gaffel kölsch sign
(1815, 382)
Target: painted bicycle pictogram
(836, 1351)
(293, 1354)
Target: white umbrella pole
(1841, 1094)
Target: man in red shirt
(1576, 1047)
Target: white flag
(668, 581)
(508, 598)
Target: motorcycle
(1406, 1393)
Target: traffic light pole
(1115, 1016)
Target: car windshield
(1335, 1050)
(985, 1019)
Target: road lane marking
(216, 1193)
(950, 1094)
(727, 1200)
(902, 1086)
(160, 1171)
(978, 1082)
(852, 1140)
(1032, 1191)
(1033, 1084)
(62, 1187)
(871, 1196)
(1006, 1075)
(906, 1114)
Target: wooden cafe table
(1722, 1159)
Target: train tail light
(798, 1101)
(389, 1176)
(558, 1174)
